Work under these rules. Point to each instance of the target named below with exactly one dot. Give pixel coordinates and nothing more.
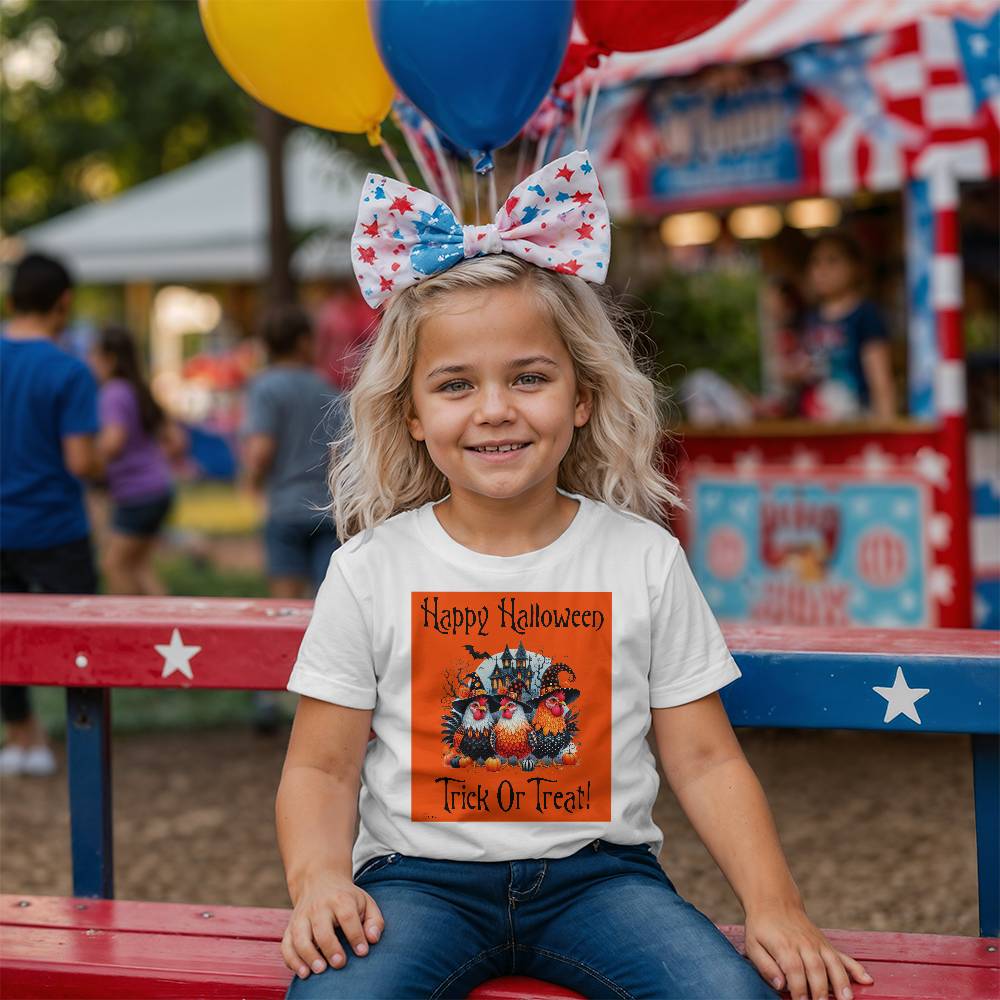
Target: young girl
(137, 441)
(510, 616)
(848, 366)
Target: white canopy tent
(208, 221)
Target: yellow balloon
(311, 60)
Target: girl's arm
(877, 364)
(111, 441)
(720, 794)
(258, 457)
(316, 811)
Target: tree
(100, 96)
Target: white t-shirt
(511, 694)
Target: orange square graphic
(511, 706)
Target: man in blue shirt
(48, 423)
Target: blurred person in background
(48, 427)
(137, 443)
(344, 326)
(291, 416)
(846, 369)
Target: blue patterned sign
(829, 551)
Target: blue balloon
(478, 69)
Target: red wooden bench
(86, 946)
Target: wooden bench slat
(268, 924)
(99, 951)
(35, 980)
(86, 612)
(71, 962)
(893, 946)
(110, 641)
(257, 923)
(219, 968)
(101, 642)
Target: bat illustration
(475, 654)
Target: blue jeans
(606, 922)
(300, 548)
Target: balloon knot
(484, 164)
(595, 53)
(375, 135)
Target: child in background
(847, 372)
(509, 614)
(291, 417)
(137, 443)
(287, 429)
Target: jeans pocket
(373, 865)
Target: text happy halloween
(517, 618)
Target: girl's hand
(310, 941)
(791, 952)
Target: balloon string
(492, 210)
(393, 162)
(475, 188)
(543, 145)
(556, 140)
(418, 157)
(589, 117)
(577, 115)
(522, 159)
(447, 173)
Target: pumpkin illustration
(569, 758)
(464, 761)
(492, 764)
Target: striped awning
(760, 29)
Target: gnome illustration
(467, 729)
(553, 723)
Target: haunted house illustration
(513, 667)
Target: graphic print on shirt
(511, 706)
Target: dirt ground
(878, 828)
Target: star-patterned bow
(555, 218)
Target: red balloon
(638, 25)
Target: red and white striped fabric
(921, 83)
(760, 29)
(923, 95)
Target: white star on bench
(901, 699)
(177, 656)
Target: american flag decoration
(888, 91)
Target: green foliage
(134, 710)
(706, 320)
(118, 92)
(185, 575)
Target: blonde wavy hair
(377, 469)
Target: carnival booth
(788, 111)
(773, 107)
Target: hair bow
(555, 218)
